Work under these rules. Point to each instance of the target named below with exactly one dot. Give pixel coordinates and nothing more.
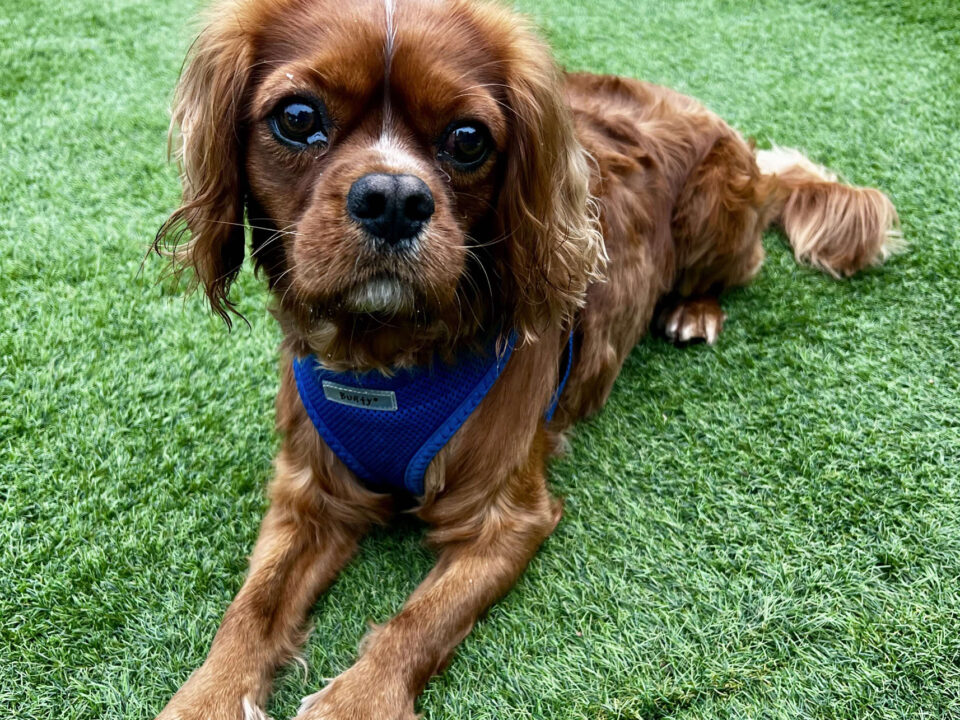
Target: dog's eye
(466, 146)
(298, 122)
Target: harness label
(385, 400)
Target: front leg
(481, 558)
(301, 548)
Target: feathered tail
(834, 227)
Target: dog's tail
(834, 227)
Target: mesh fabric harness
(388, 429)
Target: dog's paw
(691, 321)
(201, 698)
(213, 708)
(351, 696)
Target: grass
(767, 528)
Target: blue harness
(388, 429)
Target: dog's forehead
(440, 58)
(426, 55)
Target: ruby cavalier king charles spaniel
(463, 243)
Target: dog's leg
(481, 558)
(299, 552)
(717, 227)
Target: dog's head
(408, 164)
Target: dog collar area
(388, 429)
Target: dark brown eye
(467, 146)
(298, 122)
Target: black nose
(390, 207)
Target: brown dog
(422, 182)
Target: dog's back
(684, 200)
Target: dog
(463, 243)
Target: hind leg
(717, 226)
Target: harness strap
(555, 400)
(387, 429)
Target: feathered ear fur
(548, 218)
(208, 112)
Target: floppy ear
(207, 111)
(548, 218)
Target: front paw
(205, 698)
(355, 695)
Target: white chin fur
(383, 295)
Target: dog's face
(408, 161)
(377, 136)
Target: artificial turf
(765, 528)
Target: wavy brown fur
(834, 227)
(607, 205)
